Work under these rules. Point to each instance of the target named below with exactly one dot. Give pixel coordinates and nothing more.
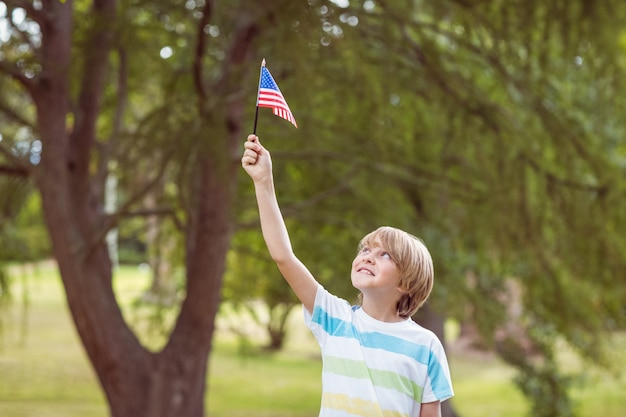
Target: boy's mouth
(365, 270)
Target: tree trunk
(277, 324)
(427, 317)
(136, 382)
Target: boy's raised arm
(257, 162)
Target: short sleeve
(439, 385)
(329, 313)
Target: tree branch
(14, 171)
(15, 73)
(161, 212)
(14, 115)
(341, 187)
(207, 12)
(118, 121)
(599, 189)
(112, 220)
(17, 166)
(95, 69)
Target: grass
(262, 385)
(44, 371)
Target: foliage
(515, 167)
(252, 278)
(491, 129)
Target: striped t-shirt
(373, 368)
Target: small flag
(270, 96)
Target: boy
(377, 362)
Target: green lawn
(45, 373)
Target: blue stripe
(375, 340)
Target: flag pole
(256, 114)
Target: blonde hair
(413, 261)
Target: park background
(134, 278)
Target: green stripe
(386, 379)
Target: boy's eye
(386, 255)
(365, 249)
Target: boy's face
(373, 269)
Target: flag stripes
(269, 96)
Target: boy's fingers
(250, 153)
(249, 159)
(253, 147)
(253, 138)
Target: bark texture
(136, 381)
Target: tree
(484, 140)
(463, 120)
(151, 92)
(63, 57)
(508, 189)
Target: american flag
(270, 96)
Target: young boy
(377, 362)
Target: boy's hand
(256, 160)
